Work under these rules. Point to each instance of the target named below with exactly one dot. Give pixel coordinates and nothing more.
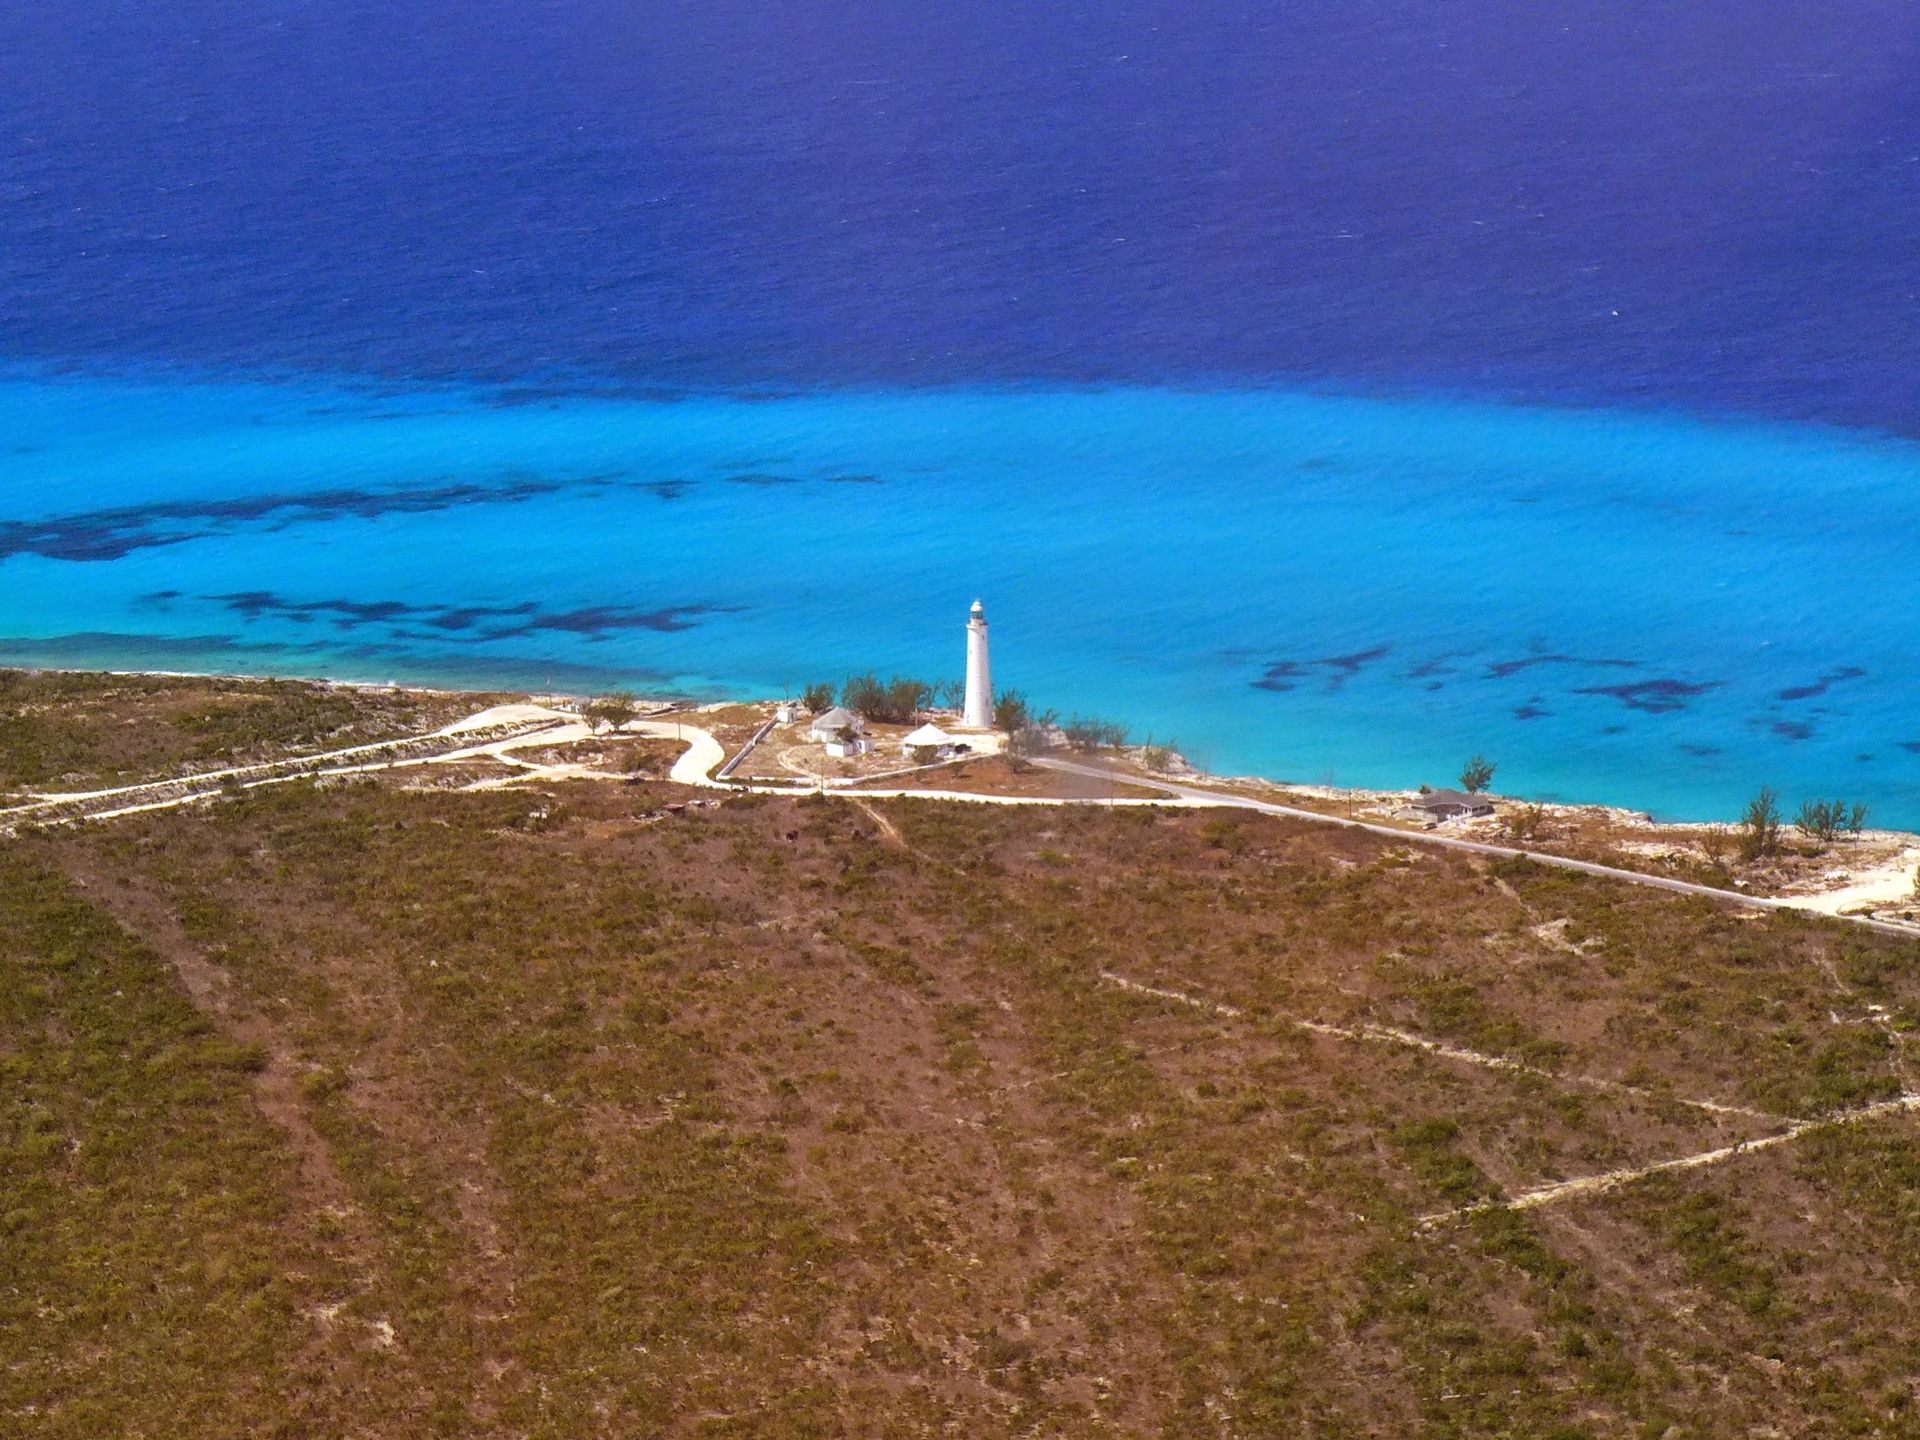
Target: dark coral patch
(484, 622)
(1792, 729)
(1654, 697)
(597, 622)
(345, 614)
(1501, 669)
(466, 617)
(1825, 683)
(1436, 665)
(1345, 667)
(113, 533)
(1283, 675)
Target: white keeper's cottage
(841, 731)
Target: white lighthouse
(978, 714)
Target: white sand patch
(1554, 935)
(516, 714)
(1653, 849)
(1889, 882)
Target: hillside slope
(369, 1110)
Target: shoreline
(1890, 878)
(1873, 870)
(1380, 684)
(1338, 794)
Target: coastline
(559, 542)
(1875, 872)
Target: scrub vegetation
(70, 731)
(360, 1109)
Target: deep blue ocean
(1335, 389)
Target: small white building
(842, 732)
(927, 744)
(832, 724)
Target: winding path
(697, 763)
(479, 737)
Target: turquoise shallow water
(1644, 610)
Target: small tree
(864, 695)
(907, 697)
(1715, 844)
(895, 702)
(949, 695)
(1010, 711)
(1760, 825)
(1820, 819)
(611, 711)
(1083, 732)
(1033, 737)
(818, 697)
(1036, 735)
(1477, 775)
(1825, 819)
(1525, 822)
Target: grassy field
(70, 731)
(370, 1111)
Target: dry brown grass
(767, 1120)
(1000, 775)
(73, 731)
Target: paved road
(1477, 847)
